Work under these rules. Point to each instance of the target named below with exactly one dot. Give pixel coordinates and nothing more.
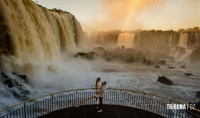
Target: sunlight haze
(95, 15)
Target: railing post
(143, 101)
(120, 97)
(24, 110)
(76, 101)
(170, 111)
(52, 101)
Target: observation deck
(109, 111)
(118, 103)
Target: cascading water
(183, 41)
(197, 36)
(179, 45)
(35, 41)
(171, 41)
(126, 40)
(105, 39)
(34, 33)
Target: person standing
(101, 95)
(98, 87)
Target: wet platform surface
(109, 111)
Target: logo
(181, 106)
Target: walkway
(109, 111)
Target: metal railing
(73, 98)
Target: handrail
(30, 100)
(63, 91)
(151, 94)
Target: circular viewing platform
(109, 111)
(118, 103)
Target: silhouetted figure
(98, 87)
(101, 95)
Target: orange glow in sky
(98, 15)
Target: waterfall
(126, 40)
(183, 41)
(36, 32)
(30, 32)
(197, 39)
(171, 41)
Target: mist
(46, 48)
(123, 14)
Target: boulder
(23, 77)
(9, 83)
(19, 95)
(189, 74)
(147, 62)
(88, 56)
(183, 66)
(171, 67)
(165, 80)
(198, 94)
(100, 49)
(162, 62)
(156, 66)
(4, 75)
(15, 86)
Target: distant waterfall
(197, 36)
(126, 40)
(105, 39)
(173, 39)
(183, 41)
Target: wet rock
(16, 94)
(195, 55)
(9, 83)
(147, 62)
(16, 86)
(19, 95)
(189, 74)
(23, 77)
(162, 62)
(165, 80)
(156, 66)
(183, 66)
(171, 67)
(23, 91)
(198, 94)
(100, 51)
(20, 92)
(88, 56)
(4, 75)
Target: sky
(103, 15)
